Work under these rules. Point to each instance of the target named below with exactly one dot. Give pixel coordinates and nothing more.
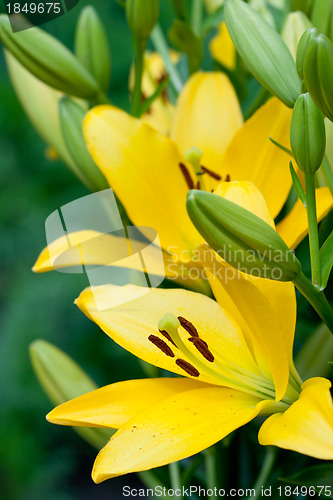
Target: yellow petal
(131, 323)
(281, 295)
(175, 428)
(294, 227)
(113, 405)
(222, 48)
(207, 116)
(255, 315)
(252, 156)
(307, 426)
(142, 166)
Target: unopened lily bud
(62, 379)
(307, 134)
(263, 9)
(142, 15)
(318, 73)
(303, 45)
(241, 238)
(263, 50)
(49, 60)
(296, 24)
(92, 47)
(322, 17)
(71, 120)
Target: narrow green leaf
(160, 89)
(326, 260)
(319, 477)
(286, 150)
(297, 184)
(213, 20)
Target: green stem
(162, 48)
(311, 210)
(210, 468)
(196, 16)
(316, 298)
(266, 469)
(328, 173)
(175, 479)
(139, 49)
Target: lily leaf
(297, 184)
(326, 260)
(213, 20)
(318, 476)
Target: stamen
(187, 175)
(167, 336)
(187, 367)
(202, 347)
(163, 346)
(189, 327)
(228, 178)
(211, 173)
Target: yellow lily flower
(151, 175)
(235, 356)
(222, 48)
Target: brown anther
(211, 173)
(188, 326)
(227, 179)
(187, 175)
(197, 186)
(202, 347)
(163, 346)
(187, 367)
(167, 336)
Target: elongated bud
(62, 379)
(307, 134)
(303, 45)
(92, 47)
(296, 24)
(263, 50)
(322, 17)
(241, 238)
(71, 120)
(142, 15)
(49, 60)
(318, 73)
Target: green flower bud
(142, 15)
(241, 238)
(322, 17)
(263, 50)
(49, 60)
(318, 73)
(62, 379)
(293, 29)
(263, 9)
(302, 48)
(307, 134)
(71, 119)
(92, 47)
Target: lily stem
(311, 210)
(316, 298)
(211, 468)
(139, 49)
(160, 44)
(175, 477)
(328, 174)
(266, 469)
(196, 16)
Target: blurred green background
(39, 460)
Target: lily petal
(131, 323)
(252, 156)
(294, 227)
(207, 115)
(307, 426)
(142, 166)
(222, 48)
(175, 428)
(113, 405)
